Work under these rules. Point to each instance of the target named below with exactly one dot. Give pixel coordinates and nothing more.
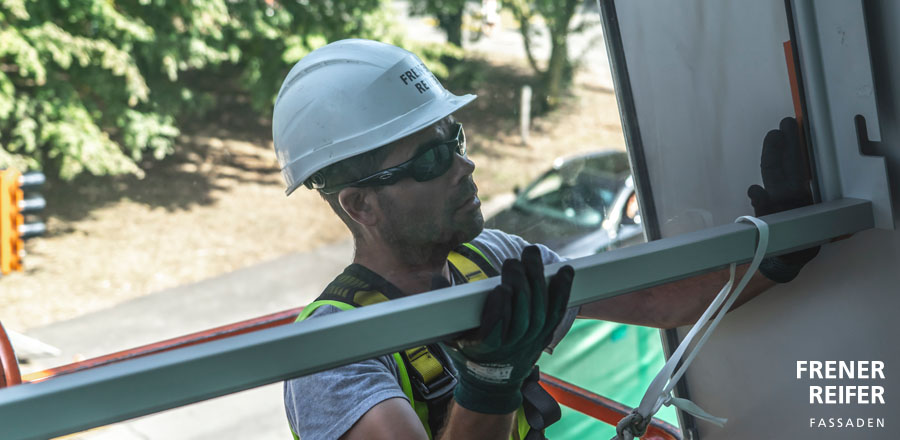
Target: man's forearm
(466, 424)
(672, 304)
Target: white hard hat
(350, 97)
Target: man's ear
(360, 205)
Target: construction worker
(370, 127)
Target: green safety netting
(617, 361)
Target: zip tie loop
(659, 392)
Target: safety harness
(425, 378)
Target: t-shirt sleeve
(499, 246)
(325, 405)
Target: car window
(582, 198)
(615, 164)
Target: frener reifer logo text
(865, 390)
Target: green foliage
(99, 86)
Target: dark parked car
(583, 205)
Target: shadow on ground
(232, 145)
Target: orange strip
(792, 77)
(798, 108)
(225, 331)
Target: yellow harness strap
(348, 292)
(466, 266)
(423, 361)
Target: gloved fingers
(795, 174)
(771, 163)
(559, 290)
(494, 318)
(801, 257)
(512, 275)
(759, 199)
(505, 300)
(791, 131)
(534, 271)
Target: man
(369, 127)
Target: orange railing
(10, 374)
(225, 331)
(602, 408)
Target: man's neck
(412, 271)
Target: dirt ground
(218, 204)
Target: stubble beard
(417, 237)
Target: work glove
(786, 188)
(517, 322)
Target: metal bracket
(837, 70)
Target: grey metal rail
(116, 392)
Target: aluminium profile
(141, 386)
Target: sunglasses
(430, 164)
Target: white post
(525, 113)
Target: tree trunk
(452, 25)
(555, 76)
(559, 71)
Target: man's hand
(786, 187)
(518, 321)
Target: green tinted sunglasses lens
(432, 163)
(435, 161)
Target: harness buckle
(439, 388)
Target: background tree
(101, 86)
(557, 15)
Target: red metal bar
(602, 408)
(225, 331)
(10, 375)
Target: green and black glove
(517, 322)
(785, 188)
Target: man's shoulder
(322, 310)
(488, 234)
(499, 246)
(496, 238)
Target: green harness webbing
(424, 377)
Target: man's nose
(463, 167)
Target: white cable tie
(660, 389)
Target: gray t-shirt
(325, 405)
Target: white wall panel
(709, 80)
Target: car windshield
(581, 196)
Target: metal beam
(112, 393)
